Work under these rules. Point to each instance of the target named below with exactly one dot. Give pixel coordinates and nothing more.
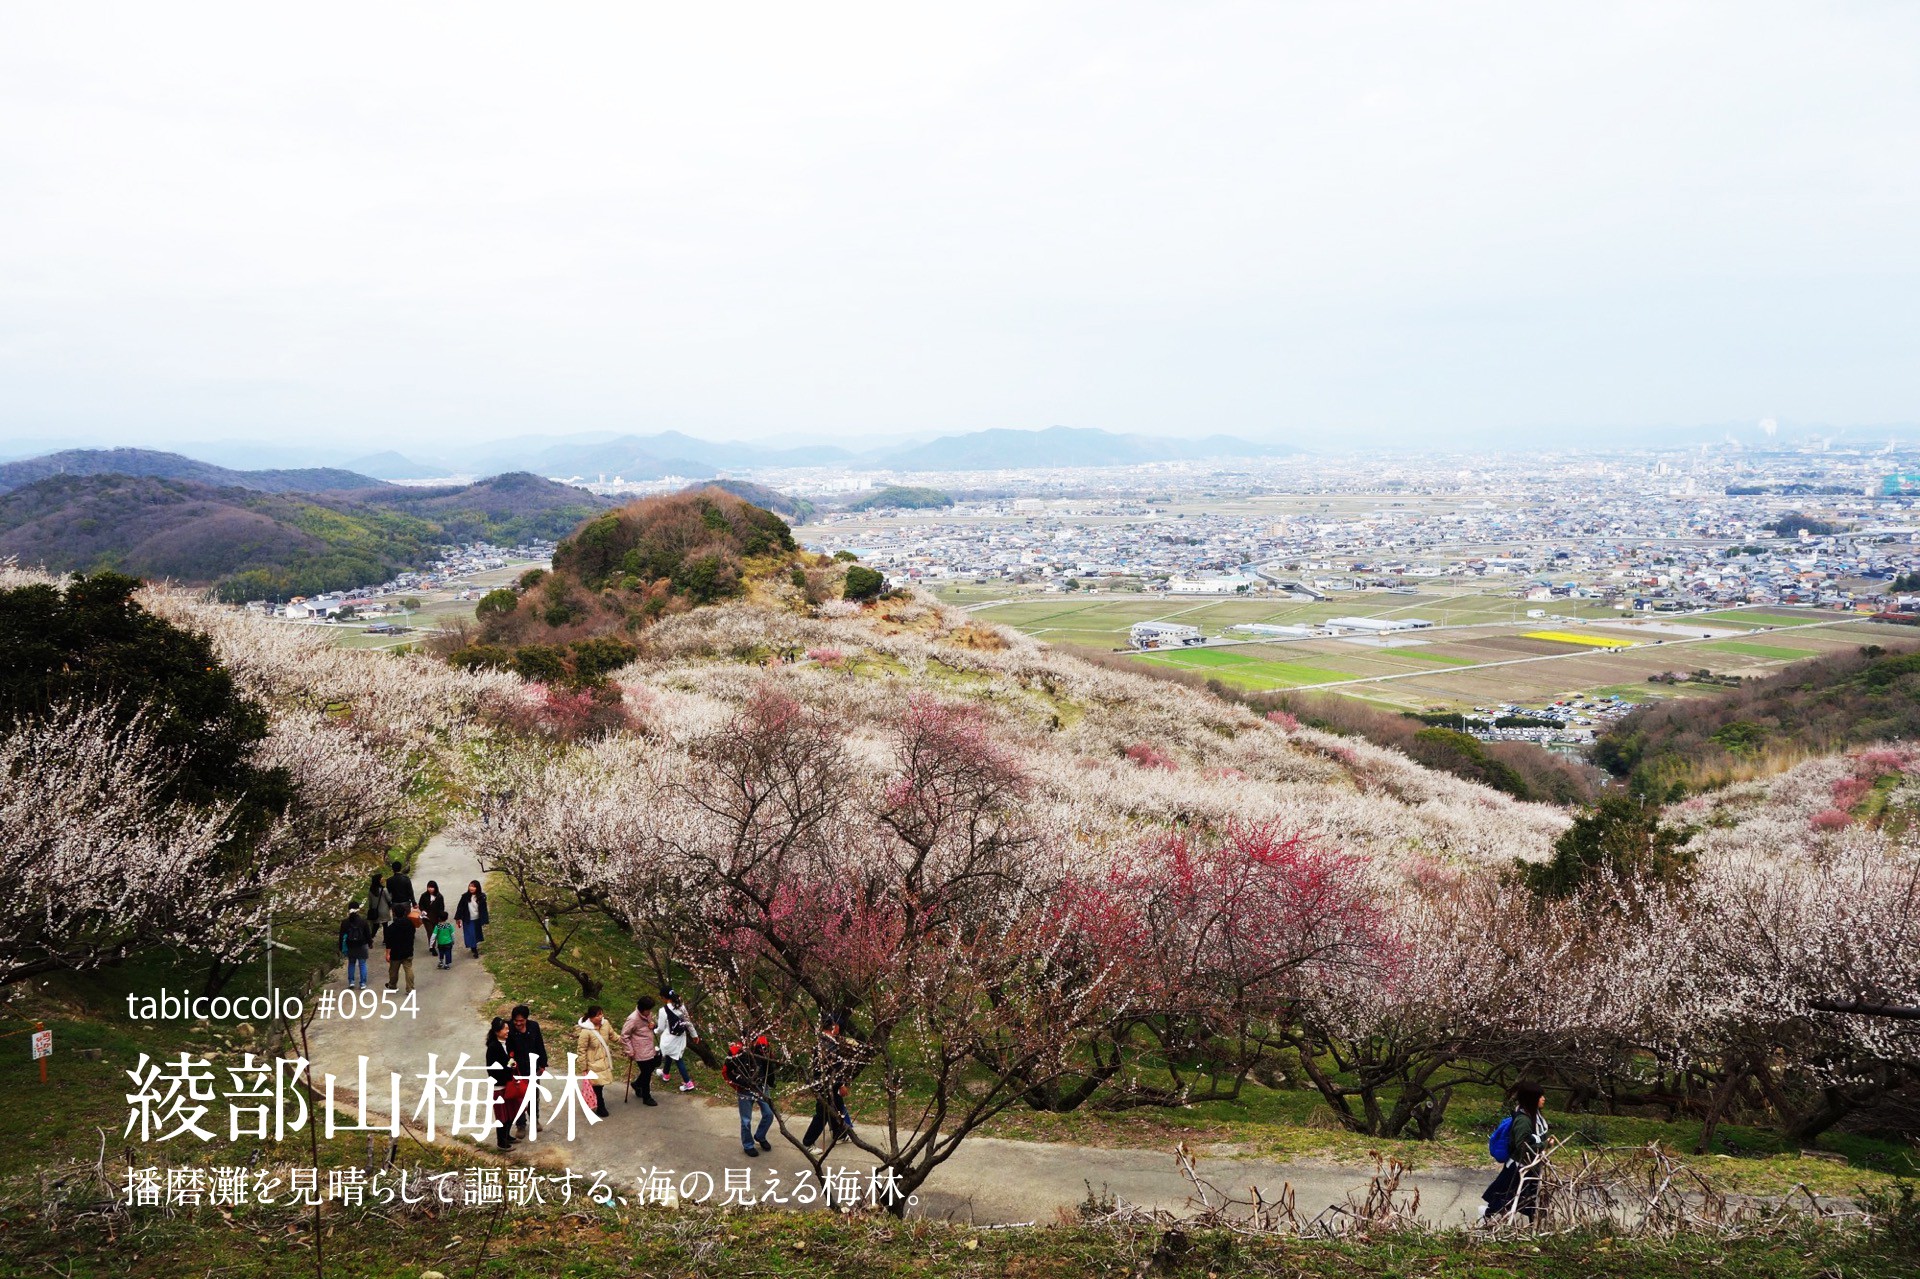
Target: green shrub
(93, 644)
(542, 663)
(594, 659)
(706, 579)
(863, 583)
(496, 603)
(1623, 835)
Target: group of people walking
(657, 1034)
(656, 1037)
(395, 918)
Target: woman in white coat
(673, 1030)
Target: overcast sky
(407, 224)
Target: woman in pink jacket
(637, 1035)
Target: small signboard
(42, 1044)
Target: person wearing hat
(673, 1031)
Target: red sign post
(42, 1047)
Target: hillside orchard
(1020, 881)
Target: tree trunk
(1716, 1106)
(218, 975)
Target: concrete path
(990, 1181)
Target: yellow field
(1590, 641)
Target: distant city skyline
(1336, 226)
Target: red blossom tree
(1220, 932)
(921, 902)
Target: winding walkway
(988, 1180)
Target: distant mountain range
(271, 533)
(172, 466)
(593, 455)
(1057, 446)
(251, 543)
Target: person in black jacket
(471, 915)
(433, 909)
(1517, 1188)
(529, 1050)
(836, 1060)
(400, 888)
(501, 1069)
(749, 1068)
(399, 937)
(356, 942)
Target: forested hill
(256, 545)
(1814, 707)
(149, 463)
(504, 509)
(902, 498)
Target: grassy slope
(605, 1244)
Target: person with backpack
(642, 1049)
(749, 1068)
(471, 915)
(674, 1029)
(379, 905)
(356, 942)
(1518, 1144)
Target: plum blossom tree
(96, 867)
(1459, 989)
(1741, 971)
(150, 788)
(1223, 933)
(102, 860)
(802, 873)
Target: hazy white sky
(400, 224)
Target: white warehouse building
(1209, 585)
(1164, 635)
(1380, 625)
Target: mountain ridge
(250, 544)
(157, 464)
(645, 457)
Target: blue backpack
(1500, 1145)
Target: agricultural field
(1762, 620)
(438, 608)
(1775, 652)
(1482, 650)
(1101, 621)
